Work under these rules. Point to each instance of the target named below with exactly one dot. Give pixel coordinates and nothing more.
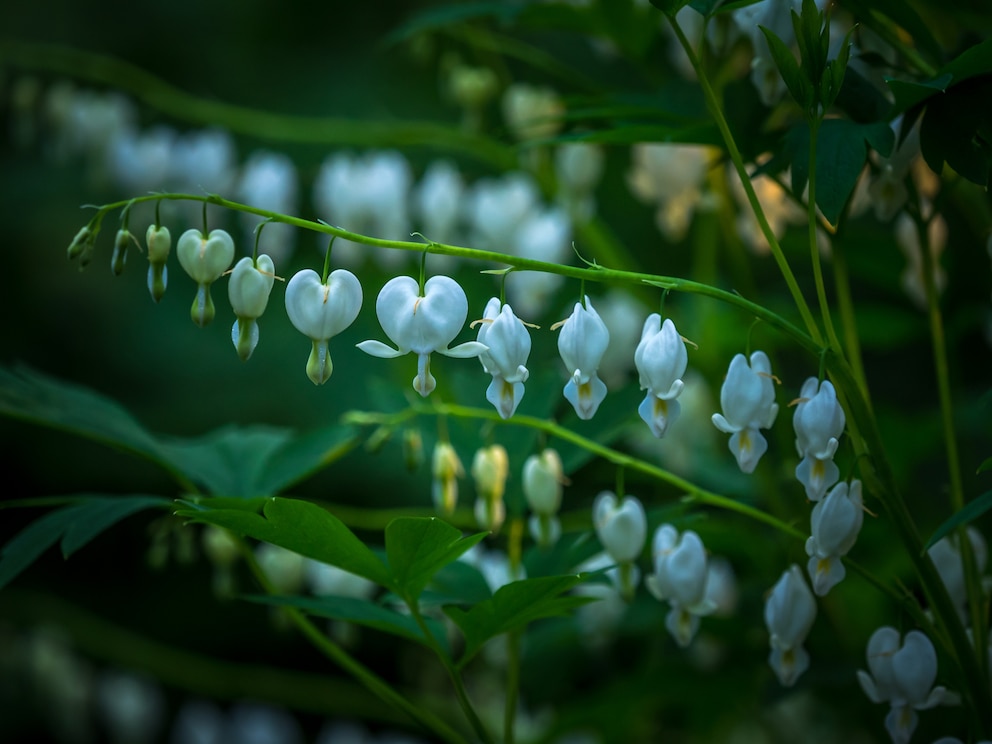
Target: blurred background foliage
(119, 609)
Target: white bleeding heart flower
(748, 402)
(836, 521)
(248, 290)
(790, 610)
(543, 479)
(902, 674)
(422, 324)
(159, 242)
(680, 577)
(622, 528)
(508, 345)
(582, 343)
(819, 422)
(205, 258)
(321, 310)
(661, 360)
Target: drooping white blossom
(508, 344)
(790, 610)
(747, 398)
(680, 577)
(670, 177)
(437, 207)
(422, 324)
(248, 290)
(661, 360)
(836, 521)
(204, 258)
(819, 422)
(621, 526)
(578, 169)
(321, 310)
(531, 111)
(902, 674)
(947, 559)
(582, 342)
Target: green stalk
(595, 273)
(453, 673)
(972, 578)
(713, 105)
(512, 684)
(814, 252)
(351, 665)
(845, 304)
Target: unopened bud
(82, 246)
(121, 243)
(447, 469)
(159, 243)
(413, 449)
(490, 468)
(542, 482)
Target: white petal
(379, 349)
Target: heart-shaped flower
(582, 343)
(661, 360)
(248, 290)
(321, 310)
(422, 323)
(509, 346)
(204, 258)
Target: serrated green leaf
(302, 527)
(514, 606)
(76, 525)
(361, 612)
(787, 66)
(969, 513)
(417, 547)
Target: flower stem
(814, 252)
(343, 659)
(735, 156)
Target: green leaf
(716, 7)
(957, 129)
(514, 606)
(444, 16)
(361, 612)
(669, 7)
(787, 66)
(986, 465)
(299, 526)
(417, 547)
(909, 94)
(456, 583)
(233, 461)
(99, 514)
(76, 525)
(903, 14)
(969, 513)
(258, 460)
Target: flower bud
(248, 290)
(159, 243)
(542, 482)
(413, 449)
(121, 243)
(490, 468)
(447, 469)
(205, 258)
(82, 246)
